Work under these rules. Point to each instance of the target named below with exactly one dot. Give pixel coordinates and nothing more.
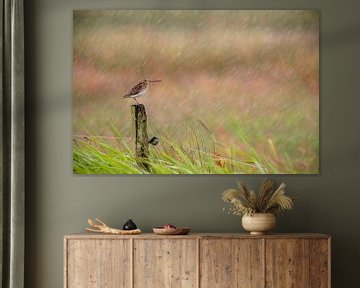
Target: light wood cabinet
(197, 260)
(165, 263)
(231, 263)
(98, 263)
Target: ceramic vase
(259, 223)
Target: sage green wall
(59, 202)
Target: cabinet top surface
(87, 235)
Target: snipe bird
(139, 89)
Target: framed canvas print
(195, 92)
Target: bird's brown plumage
(137, 89)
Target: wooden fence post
(141, 136)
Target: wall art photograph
(195, 92)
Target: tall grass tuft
(199, 153)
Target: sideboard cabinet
(197, 260)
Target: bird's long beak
(154, 80)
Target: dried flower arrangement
(267, 200)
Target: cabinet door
(165, 263)
(287, 263)
(231, 263)
(98, 263)
(320, 263)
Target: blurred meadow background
(239, 91)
